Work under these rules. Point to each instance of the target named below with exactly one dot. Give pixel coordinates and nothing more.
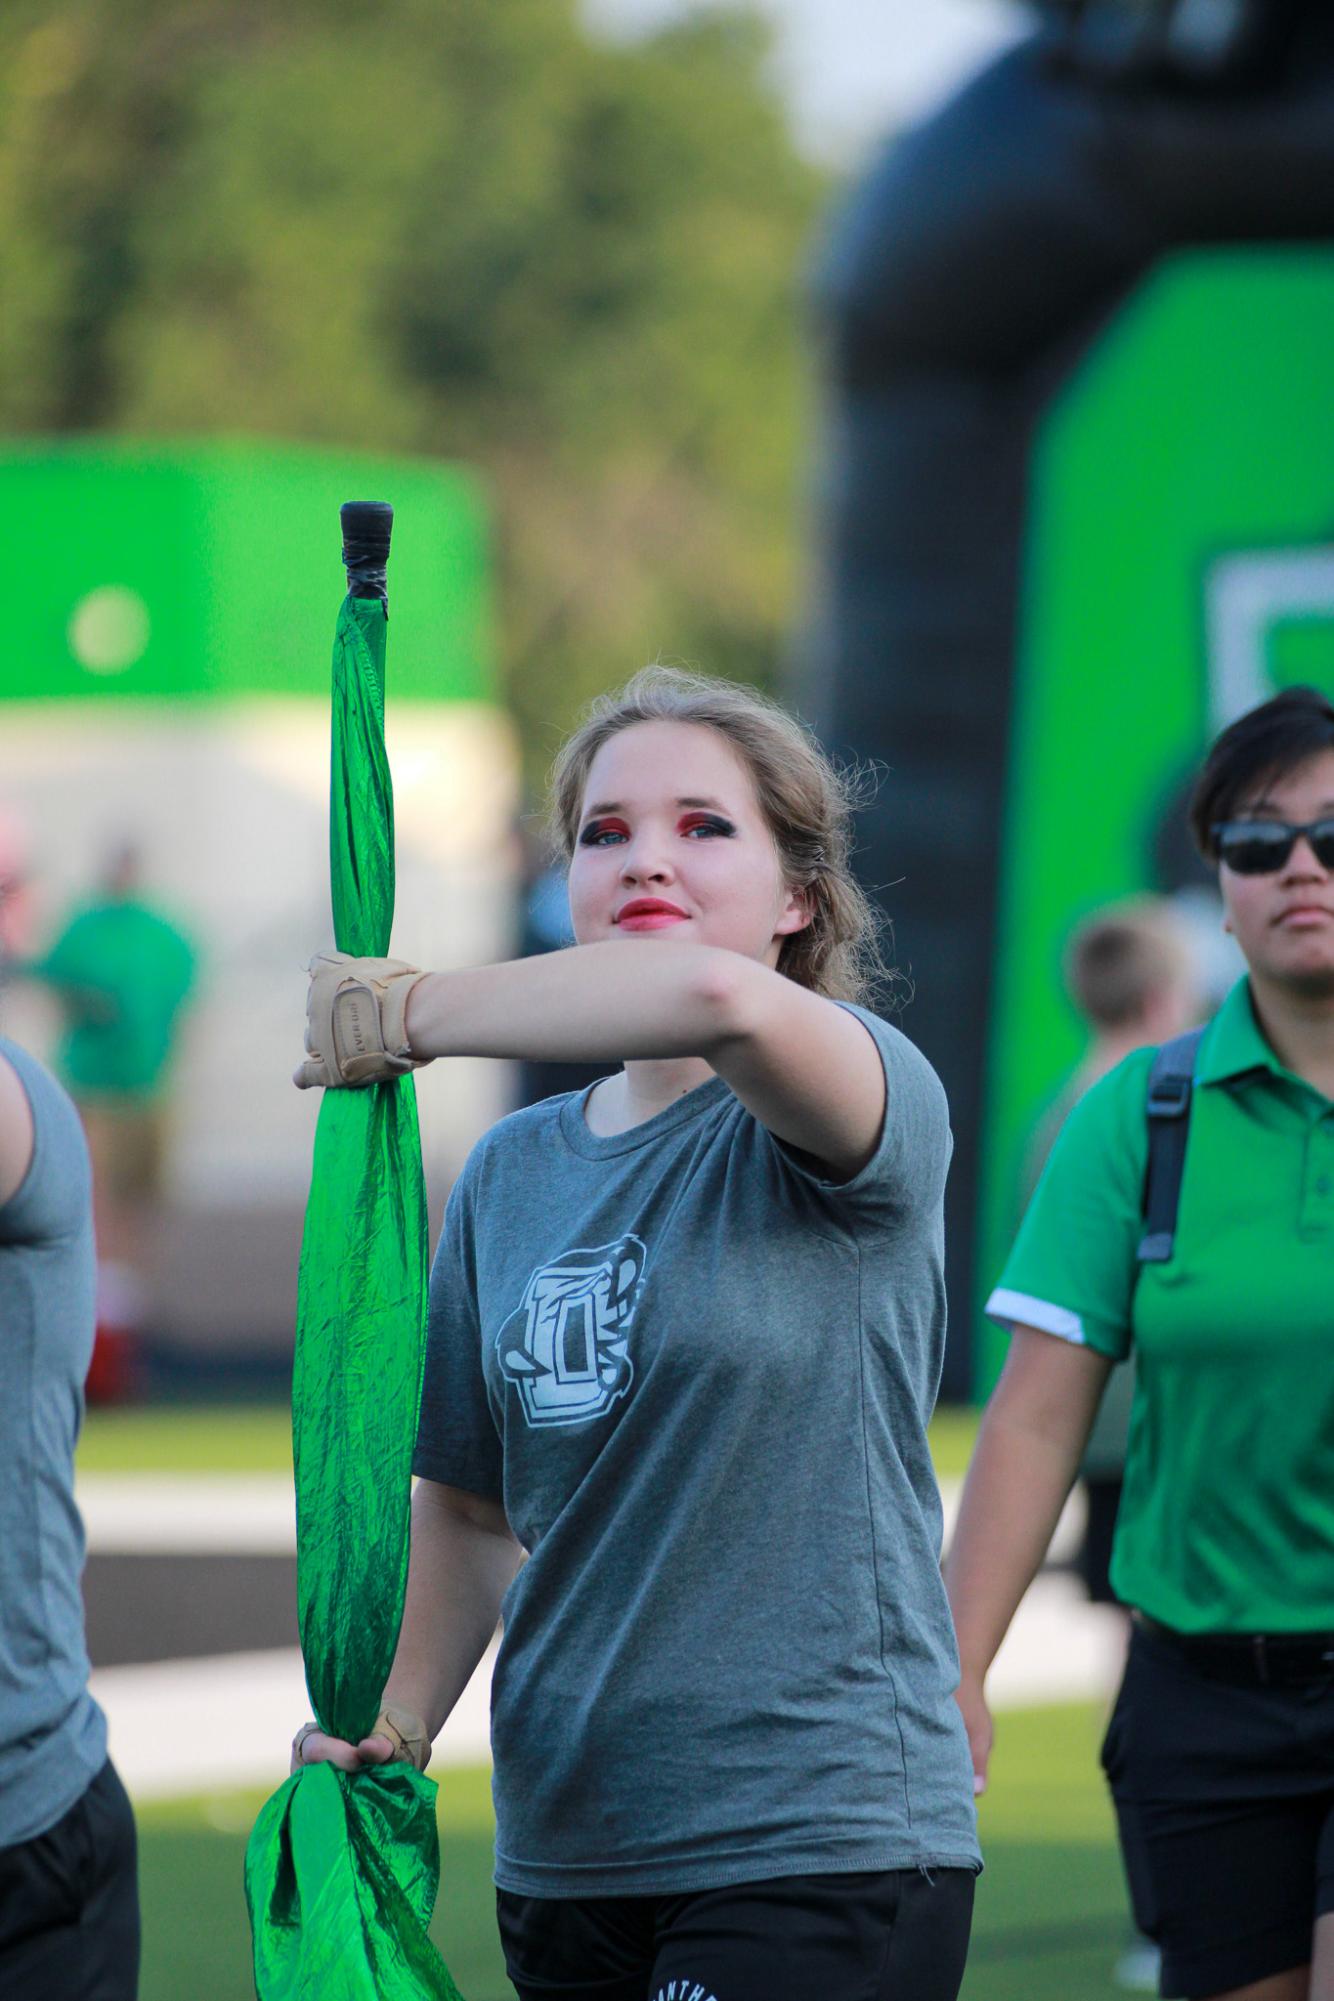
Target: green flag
(342, 1868)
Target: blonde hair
(807, 805)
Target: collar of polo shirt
(1235, 1043)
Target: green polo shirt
(1227, 1519)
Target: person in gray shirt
(69, 1903)
(686, 1331)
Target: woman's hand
(310, 1746)
(981, 1731)
(396, 1734)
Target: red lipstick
(648, 913)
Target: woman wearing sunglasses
(1220, 1751)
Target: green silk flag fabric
(342, 1868)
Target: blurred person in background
(69, 1901)
(1220, 1749)
(16, 902)
(1128, 973)
(727, 1755)
(122, 971)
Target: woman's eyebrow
(615, 806)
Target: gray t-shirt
(53, 1738)
(698, 1376)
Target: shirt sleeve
(458, 1443)
(73, 960)
(906, 1173)
(1073, 1266)
(53, 1200)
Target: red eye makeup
(706, 823)
(601, 833)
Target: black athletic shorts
(896, 1935)
(69, 1903)
(1224, 1794)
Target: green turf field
(243, 1438)
(952, 1432)
(188, 1438)
(1049, 1912)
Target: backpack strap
(1167, 1109)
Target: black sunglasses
(1260, 847)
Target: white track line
(190, 1726)
(174, 1514)
(207, 1725)
(255, 1514)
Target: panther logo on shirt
(569, 1358)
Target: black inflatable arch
(962, 280)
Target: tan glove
(404, 1731)
(407, 1734)
(355, 1012)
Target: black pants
(69, 1904)
(1224, 1796)
(892, 1935)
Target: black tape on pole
(367, 526)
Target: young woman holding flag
(686, 1331)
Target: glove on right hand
(355, 1015)
(406, 1732)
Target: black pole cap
(367, 526)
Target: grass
(953, 1429)
(1050, 1909)
(257, 1438)
(222, 1438)
(196, 1937)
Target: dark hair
(1265, 743)
(807, 803)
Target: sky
(851, 70)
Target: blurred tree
(464, 230)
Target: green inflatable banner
(1179, 569)
(342, 1868)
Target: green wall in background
(212, 571)
(1180, 566)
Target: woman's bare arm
(463, 1559)
(1028, 1449)
(805, 1067)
